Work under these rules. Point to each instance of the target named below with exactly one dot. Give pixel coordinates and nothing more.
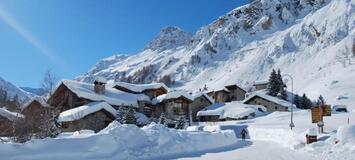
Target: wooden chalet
(173, 104)
(71, 94)
(201, 101)
(7, 120)
(35, 112)
(228, 93)
(236, 93)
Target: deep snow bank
(120, 142)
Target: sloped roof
(196, 95)
(233, 110)
(111, 95)
(40, 99)
(172, 95)
(12, 116)
(139, 88)
(258, 82)
(82, 111)
(263, 94)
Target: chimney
(99, 85)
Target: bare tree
(49, 82)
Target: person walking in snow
(243, 133)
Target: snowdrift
(119, 141)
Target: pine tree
(273, 87)
(181, 123)
(130, 117)
(162, 119)
(122, 111)
(296, 101)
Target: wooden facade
(221, 96)
(198, 104)
(64, 99)
(209, 118)
(6, 127)
(172, 108)
(236, 93)
(269, 105)
(260, 86)
(35, 112)
(151, 93)
(95, 121)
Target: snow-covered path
(255, 150)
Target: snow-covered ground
(120, 142)
(269, 137)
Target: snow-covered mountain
(312, 40)
(12, 91)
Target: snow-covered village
(247, 80)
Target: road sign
(316, 113)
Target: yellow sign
(318, 116)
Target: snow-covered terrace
(82, 111)
(111, 96)
(12, 116)
(139, 88)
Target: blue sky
(70, 36)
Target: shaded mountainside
(313, 40)
(9, 91)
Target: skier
(243, 133)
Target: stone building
(92, 116)
(200, 101)
(269, 102)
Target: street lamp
(290, 77)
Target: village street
(253, 150)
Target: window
(275, 107)
(201, 100)
(178, 109)
(65, 125)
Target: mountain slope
(312, 40)
(12, 91)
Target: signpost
(318, 113)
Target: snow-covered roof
(233, 110)
(101, 80)
(12, 116)
(339, 107)
(196, 95)
(259, 82)
(218, 89)
(82, 111)
(111, 95)
(40, 99)
(172, 95)
(139, 88)
(263, 94)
